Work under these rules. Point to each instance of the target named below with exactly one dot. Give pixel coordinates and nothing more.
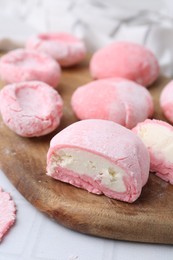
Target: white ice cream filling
(92, 165)
(159, 139)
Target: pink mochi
(157, 136)
(28, 65)
(116, 99)
(67, 49)
(101, 157)
(7, 213)
(30, 108)
(125, 59)
(166, 101)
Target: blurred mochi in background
(97, 22)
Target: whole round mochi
(28, 65)
(67, 49)
(166, 101)
(7, 213)
(157, 136)
(101, 157)
(115, 99)
(30, 108)
(125, 59)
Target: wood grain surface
(23, 160)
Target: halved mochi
(67, 49)
(101, 157)
(30, 108)
(158, 138)
(116, 99)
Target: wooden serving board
(149, 219)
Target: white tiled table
(37, 237)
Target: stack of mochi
(122, 71)
(113, 147)
(29, 103)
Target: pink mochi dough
(127, 60)
(166, 101)
(116, 99)
(7, 213)
(109, 159)
(28, 65)
(30, 108)
(67, 49)
(157, 136)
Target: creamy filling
(159, 139)
(86, 163)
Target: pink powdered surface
(166, 101)
(127, 60)
(67, 49)
(7, 213)
(108, 140)
(30, 108)
(28, 65)
(116, 99)
(158, 163)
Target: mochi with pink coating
(28, 65)
(127, 60)
(7, 213)
(116, 99)
(66, 48)
(30, 108)
(101, 157)
(157, 136)
(166, 101)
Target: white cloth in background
(98, 22)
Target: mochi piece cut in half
(157, 136)
(101, 157)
